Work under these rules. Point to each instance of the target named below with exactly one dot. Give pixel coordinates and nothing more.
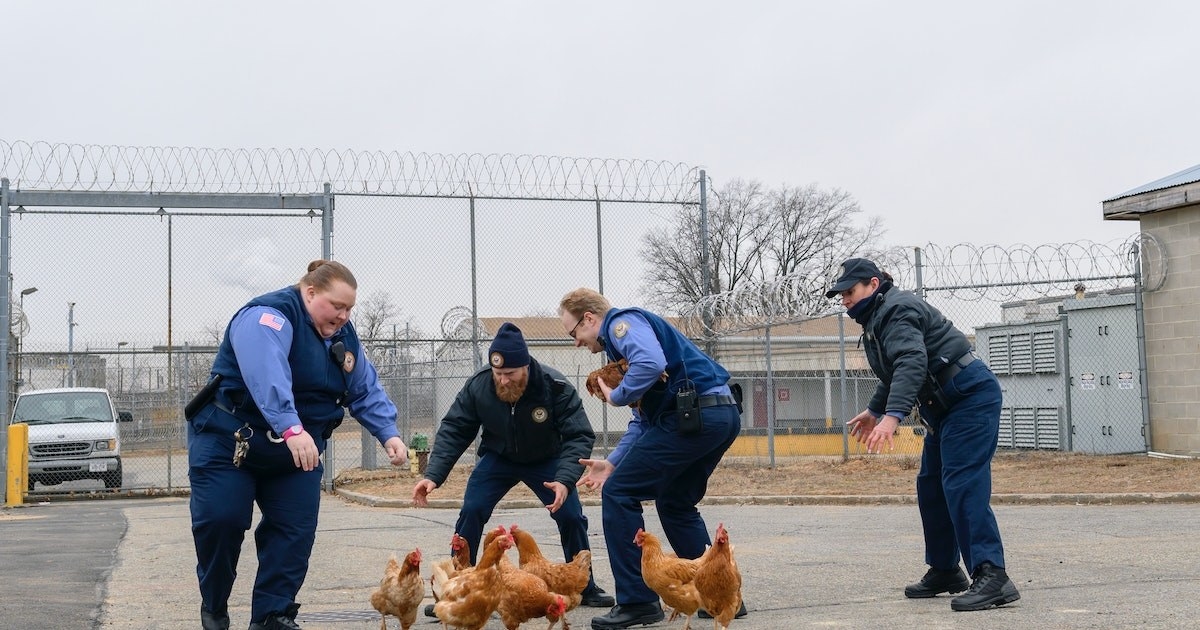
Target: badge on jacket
(540, 415)
(348, 362)
(620, 329)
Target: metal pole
(474, 292)
(70, 344)
(1140, 313)
(770, 404)
(327, 224)
(920, 279)
(845, 410)
(600, 288)
(5, 272)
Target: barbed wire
(89, 167)
(964, 271)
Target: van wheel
(112, 480)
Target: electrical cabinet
(1070, 382)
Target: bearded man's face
(510, 382)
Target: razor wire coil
(964, 272)
(42, 165)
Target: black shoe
(429, 611)
(628, 615)
(991, 587)
(596, 598)
(285, 620)
(213, 621)
(938, 581)
(703, 614)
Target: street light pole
(21, 338)
(120, 371)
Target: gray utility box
(1070, 380)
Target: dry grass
(1023, 472)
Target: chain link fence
(135, 299)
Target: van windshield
(59, 407)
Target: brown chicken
(567, 579)
(525, 596)
(443, 570)
(611, 374)
(469, 598)
(718, 580)
(400, 591)
(673, 578)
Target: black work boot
(937, 581)
(429, 611)
(629, 615)
(704, 614)
(595, 597)
(991, 587)
(213, 621)
(285, 620)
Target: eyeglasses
(571, 334)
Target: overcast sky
(998, 122)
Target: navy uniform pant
(673, 471)
(493, 477)
(954, 486)
(222, 503)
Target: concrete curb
(1128, 498)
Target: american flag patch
(271, 321)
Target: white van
(73, 434)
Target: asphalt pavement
(130, 563)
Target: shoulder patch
(620, 329)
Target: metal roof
(1186, 176)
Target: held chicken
(673, 578)
(400, 591)
(611, 374)
(473, 595)
(567, 579)
(718, 580)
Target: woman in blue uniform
(289, 366)
(922, 359)
(681, 429)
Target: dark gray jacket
(547, 422)
(907, 342)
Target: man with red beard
(534, 432)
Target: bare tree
(374, 315)
(754, 235)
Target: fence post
(1139, 314)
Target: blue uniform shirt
(638, 342)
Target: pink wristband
(292, 432)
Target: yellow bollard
(18, 464)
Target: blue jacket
(319, 384)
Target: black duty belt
(716, 400)
(956, 366)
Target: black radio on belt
(687, 409)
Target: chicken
(525, 596)
(400, 591)
(567, 579)
(718, 580)
(673, 578)
(611, 374)
(470, 597)
(443, 570)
